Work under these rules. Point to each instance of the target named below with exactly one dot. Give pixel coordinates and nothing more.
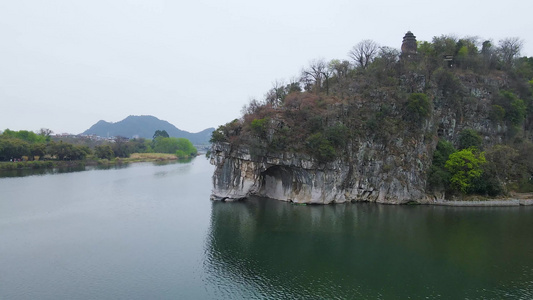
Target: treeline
(26, 145)
(379, 94)
(471, 169)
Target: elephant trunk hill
(418, 126)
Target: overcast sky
(66, 64)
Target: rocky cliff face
(373, 173)
(387, 166)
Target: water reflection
(271, 249)
(80, 168)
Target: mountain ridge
(144, 126)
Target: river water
(146, 231)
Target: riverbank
(512, 199)
(49, 164)
(502, 202)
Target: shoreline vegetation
(29, 150)
(91, 161)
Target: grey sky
(64, 65)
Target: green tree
(25, 135)
(165, 145)
(464, 167)
(122, 147)
(185, 148)
(469, 138)
(13, 148)
(320, 147)
(418, 108)
(260, 127)
(439, 177)
(517, 113)
(38, 150)
(104, 152)
(160, 133)
(66, 151)
(218, 135)
(180, 146)
(515, 108)
(138, 145)
(337, 135)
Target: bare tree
(364, 53)
(252, 107)
(276, 94)
(509, 49)
(314, 76)
(45, 132)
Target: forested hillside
(450, 116)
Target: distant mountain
(145, 126)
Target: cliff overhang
(299, 178)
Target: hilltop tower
(409, 44)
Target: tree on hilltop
(364, 53)
(160, 133)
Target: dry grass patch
(153, 156)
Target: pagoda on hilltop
(409, 45)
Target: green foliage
(259, 127)
(224, 132)
(337, 135)
(442, 153)
(25, 135)
(496, 114)
(185, 148)
(218, 136)
(165, 144)
(66, 151)
(139, 145)
(38, 150)
(160, 133)
(320, 147)
(418, 108)
(515, 108)
(148, 146)
(469, 138)
(439, 177)
(104, 152)
(447, 82)
(465, 167)
(13, 148)
(182, 147)
(122, 147)
(16, 144)
(517, 112)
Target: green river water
(147, 231)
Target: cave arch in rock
(279, 182)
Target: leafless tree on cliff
(276, 94)
(364, 53)
(509, 49)
(317, 74)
